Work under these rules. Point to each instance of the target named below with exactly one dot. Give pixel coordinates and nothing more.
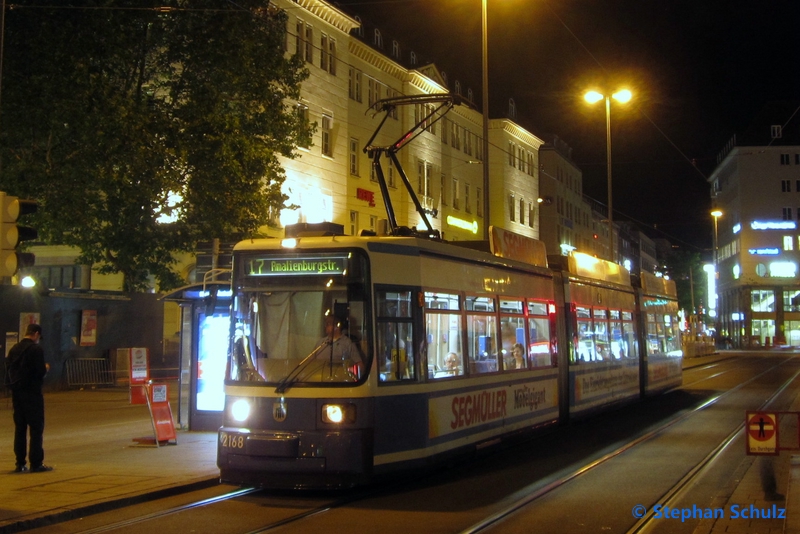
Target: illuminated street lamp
(716, 214)
(593, 97)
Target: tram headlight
(240, 410)
(338, 413)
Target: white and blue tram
(447, 350)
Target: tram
(451, 350)
(354, 358)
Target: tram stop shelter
(203, 349)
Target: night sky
(699, 71)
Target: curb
(114, 504)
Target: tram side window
(629, 343)
(601, 339)
(512, 334)
(443, 331)
(539, 334)
(654, 334)
(672, 340)
(481, 334)
(586, 346)
(395, 329)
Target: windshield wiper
(292, 377)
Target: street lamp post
(712, 299)
(620, 96)
(485, 91)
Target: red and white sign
(762, 433)
(161, 413)
(140, 374)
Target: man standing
(25, 370)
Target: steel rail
(539, 490)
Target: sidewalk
(88, 439)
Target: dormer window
(512, 109)
(470, 95)
(777, 131)
(360, 29)
(378, 39)
(413, 58)
(395, 49)
(458, 88)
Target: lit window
(788, 242)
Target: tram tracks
(541, 489)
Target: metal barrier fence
(89, 372)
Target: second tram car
(353, 357)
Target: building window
(777, 131)
(391, 174)
(309, 44)
(444, 188)
(298, 38)
(786, 186)
(455, 194)
(354, 156)
(479, 201)
(302, 114)
(327, 125)
(511, 152)
(788, 242)
(791, 300)
(785, 159)
(354, 90)
(522, 211)
(445, 129)
(511, 207)
(467, 206)
(787, 214)
(762, 300)
(378, 39)
(353, 222)
(797, 161)
(327, 54)
(470, 95)
(458, 88)
(373, 222)
(530, 214)
(412, 58)
(395, 49)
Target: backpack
(15, 369)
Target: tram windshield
(300, 319)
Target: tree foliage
(686, 268)
(113, 109)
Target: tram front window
(296, 330)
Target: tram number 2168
(232, 441)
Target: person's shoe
(21, 469)
(41, 468)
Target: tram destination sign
(296, 266)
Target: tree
(116, 117)
(686, 268)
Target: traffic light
(11, 235)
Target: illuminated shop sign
(773, 225)
(782, 269)
(461, 223)
(296, 266)
(764, 251)
(737, 228)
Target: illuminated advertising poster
(498, 406)
(596, 386)
(212, 351)
(88, 328)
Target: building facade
(756, 186)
